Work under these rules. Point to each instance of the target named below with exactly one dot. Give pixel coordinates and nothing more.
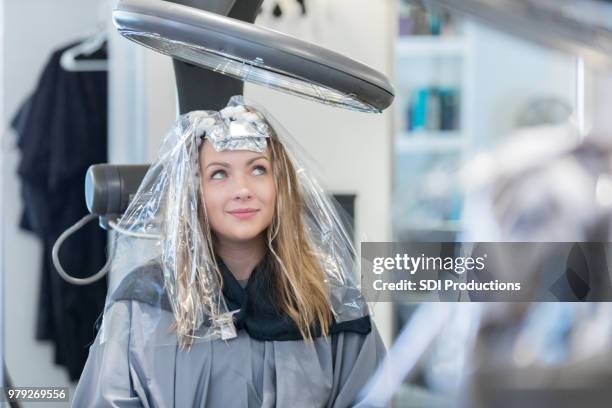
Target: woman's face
(239, 192)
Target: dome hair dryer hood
(215, 47)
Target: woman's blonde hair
(298, 280)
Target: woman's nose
(242, 189)
(243, 193)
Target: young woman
(245, 298)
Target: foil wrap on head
(232, 128)
(161, 232)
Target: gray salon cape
(135, 362)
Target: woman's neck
(241, 257)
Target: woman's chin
(242, 235)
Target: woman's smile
(244, 213)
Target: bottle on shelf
(415, 20)
(433, 109)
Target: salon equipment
(215, 47)
(207, 38)
(109, 188)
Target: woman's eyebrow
(256, 158)
(223, 164)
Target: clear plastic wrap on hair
(164, 249)
(325, 230)
(160, 231)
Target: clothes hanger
(89, 46)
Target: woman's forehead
(208, 154)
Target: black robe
(62, 130)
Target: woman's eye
(259, 170)
(217, 175)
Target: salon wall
(507, 73)
(31, 30)
(353, 150)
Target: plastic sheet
(166, 228)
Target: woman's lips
(243, 213)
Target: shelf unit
(416, 59)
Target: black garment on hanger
(62, 130)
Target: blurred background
(497, 133)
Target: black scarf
(259, 316)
